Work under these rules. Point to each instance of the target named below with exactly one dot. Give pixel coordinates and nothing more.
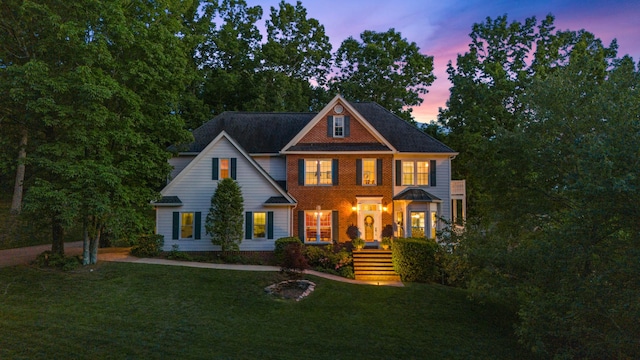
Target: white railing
(458, 188)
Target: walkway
(25, 255)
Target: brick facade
(358, 133)
(341, 197)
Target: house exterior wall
(341, 197)
(358, 133)
(196, 189)
(179, 163)
(274, 165)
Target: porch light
(354, 208)
(384, 208)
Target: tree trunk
(16, 203)
(95, 242)
(57, 232)
(85, 244)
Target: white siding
(443, 180)
(275, 166)
(179, 163)
(195, 189)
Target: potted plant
(385, 243)
(357, 243)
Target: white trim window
(318, 172)
(338, 126)
(318, 226)
(369, 172)
(186, 225)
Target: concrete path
(25, 255)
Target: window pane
(423, 172)
(311, 226)
(368, 172)
(325, 172)
(224, 168)
(317, 226)
(186, 226)
(259, 225)
(407, 173)
(417, 224)
(338, 126)
(311, 172)
(325, 226)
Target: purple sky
(441, 27)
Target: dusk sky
(441, 27)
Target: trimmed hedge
(281, 246)
(414, 259)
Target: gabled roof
(271, 133)
(168, 201)
(382, 142)
(255, 132)
(402, 135)
(221, 135)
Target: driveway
(25, 255)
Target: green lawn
(135, 311)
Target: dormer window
(338, 126)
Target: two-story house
(350, 169)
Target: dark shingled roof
(266, 133)
(416, 195)
(277, 200)
(340, 147)
(168, 201)
(256, 132)
(402, 135)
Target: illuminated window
(224, 168)
(317, 226)
(318, 172)
(417, 224)
(408, 171)
(338, 126)
(368, 171)
(422, 172)
(259, 225)
(186, 225)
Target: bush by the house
(415, 259)
(293, 261)
(330, 259)
(148, 245)
(281, 245)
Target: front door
(369, 218)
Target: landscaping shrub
(294, 262)
(148, 245)
(49, 259)
(280, 246)
(330, 259)
(176, 254)
(415, 259)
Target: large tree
(101, 109)
(552, 155)
(383, 67)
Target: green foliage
(176, 254)
(293, 260)
(331, 259)
(415, 259)
(552, 169)
(357, 243)
(148, 245)
(54, 260)
(225, 218)
(385, 68)
(280, 246)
